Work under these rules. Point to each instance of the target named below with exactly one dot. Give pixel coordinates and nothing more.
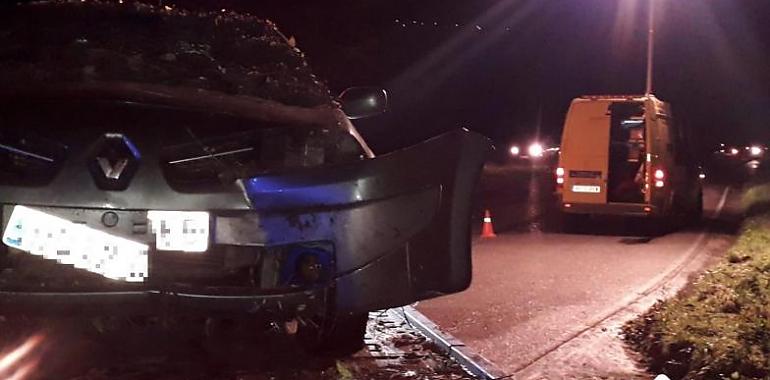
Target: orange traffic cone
(487, 230)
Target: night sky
(508, 68)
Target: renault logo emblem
(113, 160)
(112, 171)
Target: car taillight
(559, 176)
(660, 176)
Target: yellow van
(625, 155)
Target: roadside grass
(719, 328)
(756, 199)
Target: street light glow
(622, 34)
(536, 150)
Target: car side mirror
(361, 102)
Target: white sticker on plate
(54, 238)
(186, 231)
(586, 189)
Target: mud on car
(159, 161)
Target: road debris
(148, 348)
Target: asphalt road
(538, 293)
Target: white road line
(721, 204)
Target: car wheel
(333, 335)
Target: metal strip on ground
(456, 349)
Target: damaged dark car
(158, 161)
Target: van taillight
(660, 175)
(559, 176)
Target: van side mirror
(361, 102)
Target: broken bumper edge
(154, 302)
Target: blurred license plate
(186, 231)
(586, 189)
(51, 237)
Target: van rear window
(627, 131)
(626, 152)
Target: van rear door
(585, 152)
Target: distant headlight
(515, 151)
(755, 151)
(733, 151)
(536, 150)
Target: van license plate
(586, 189)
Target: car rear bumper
(619, 209)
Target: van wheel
(696, 214)
(669, 221)
(573, 223)
(333, 335)
(680, 215)
(665, 224)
